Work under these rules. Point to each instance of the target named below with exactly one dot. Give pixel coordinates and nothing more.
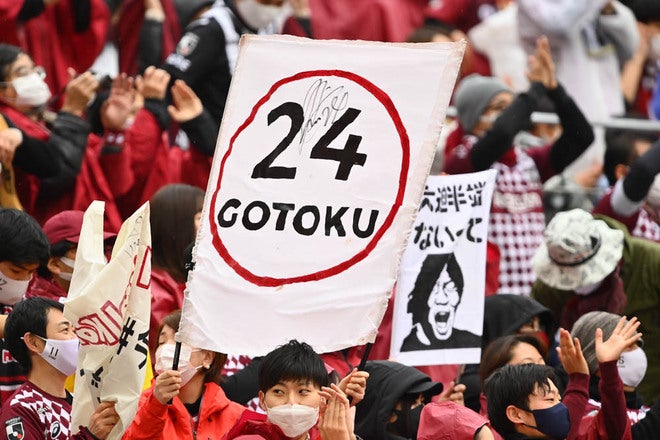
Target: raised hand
(337, 418)
(153, 84)
(354, 385)
(167, 386)
(453, 392)
(118, 106)
(624, 335)
(570, 353)
(541, 66)
(187, 105)
(79, 92)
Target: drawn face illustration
(442, 302)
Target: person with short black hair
(23, 248)
(299, 400)
(632, 163)
(43, 341)
(523, 402)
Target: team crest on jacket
(14, 429)
(55, 429)
(187, 44)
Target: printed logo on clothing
(14, 428)
(55, 429)
(187, 44)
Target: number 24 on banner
(311, 180)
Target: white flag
(109, 305)
(439, 305)
(320, 164)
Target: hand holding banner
(319, 167)
(109, 305)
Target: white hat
(577, 251)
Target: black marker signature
(321, 107)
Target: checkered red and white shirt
(517, 220)
(12, 375)
(640, 224)
(34, 414)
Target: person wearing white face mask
(590, 263)
(23, 249)
(604, 386)
(63, 233)
(43, 341)
(299, 404)
(190, 393)
(24, 97)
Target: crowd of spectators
(122, 100)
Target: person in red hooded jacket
(57, 34)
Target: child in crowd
(300, 402)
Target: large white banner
(109, 304)
(439, 304)
(320, 164)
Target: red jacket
(131, 17)
(608, 420)
(45, 288)
(153, 420)
(254, 423)
(53, 41)
(90, 183)
(148, 148)
(373, 20)
(448, 420)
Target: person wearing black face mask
(524, 403)
(393, 402)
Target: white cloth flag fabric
(109, 305)
(320, 164)
(439, 304)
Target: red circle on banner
(384, 99)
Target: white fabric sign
(320, 164)
(109, 305)
(439, 304)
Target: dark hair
(8, 55)
(500, 351)
(429, 30)
(620, 150)
(512, 385)
(57, 250)
(173, 210)
(28, 316)
(432, 267)
(22, 239)
(292, 361)
(214, 372)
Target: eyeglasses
(24, 71)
